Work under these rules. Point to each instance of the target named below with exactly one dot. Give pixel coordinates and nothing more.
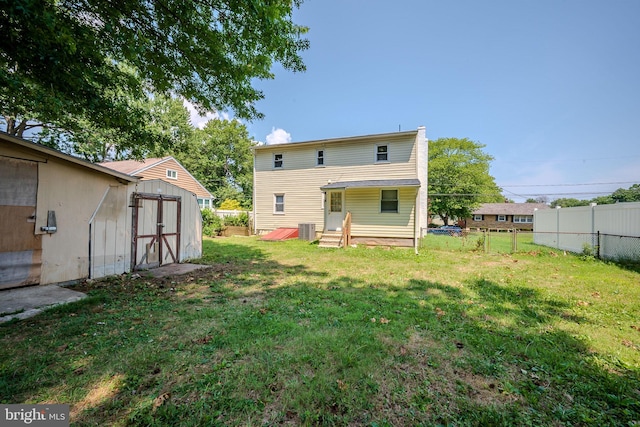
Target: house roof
(132, 167)
(509, 208)
(367, 138)
(372, 183)
(66, 157)
(137, 167)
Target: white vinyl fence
(610, 231)
(222, 213)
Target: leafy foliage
(632, 194)
(219, 156)
(211, 223)
(240, 220)
(230, 205)
(69, 62)
(167, 120)
(459, 178)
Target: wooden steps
(331, 239)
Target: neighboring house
(381, 180)
(167, 169)
(504, 216)
(63, 219)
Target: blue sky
(551, 87)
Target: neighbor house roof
(372, 183)
(509, 208)
(66, 157)
(360, 138)
(138, 167)
(132, 167)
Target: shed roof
(372, 183)
(46, 151)
(509, 208)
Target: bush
(241, 220)
(211, 223)
(230, 205)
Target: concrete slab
(22, 303)
(172, 270)
(32, 300)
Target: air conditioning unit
(307, 232)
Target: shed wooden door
(20, 247)
(156, 230)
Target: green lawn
(286, 333)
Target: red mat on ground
(281, 234)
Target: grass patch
(288, 333)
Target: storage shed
(63, 219)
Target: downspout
(415, 223)
(253, 195)
(421, 208)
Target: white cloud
(278, 136)
(200, 121)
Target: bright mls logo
(34, 415)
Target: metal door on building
(20, 246)
(156, 230)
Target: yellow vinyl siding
(300, 179)
(368, 221)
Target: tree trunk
(10, 124)
(14, 130)
(445, 219)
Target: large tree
(65, 63)
(459, 179)
(220, 157)
(167, 118)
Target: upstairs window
(172, 174)
(389, 201)
(320, 158)
(277, 161)
(382, 153)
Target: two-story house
(380, 180)
(167, 169)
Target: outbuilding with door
(63, 219)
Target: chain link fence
(618, 248)
(604, 246)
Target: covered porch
(372, 212)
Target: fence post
(598, 244)
(514, 241)
(487, 241)
(558, 227)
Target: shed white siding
(110, 238)
(191, 219)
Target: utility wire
(548, 185)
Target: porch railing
(346, 230)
